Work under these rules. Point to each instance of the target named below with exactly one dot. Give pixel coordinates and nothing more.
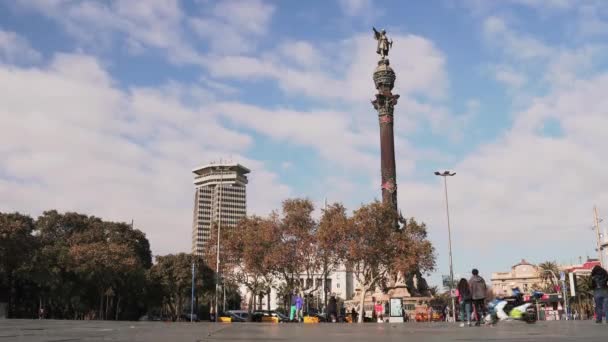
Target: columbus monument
(384, 79)
(412, 284)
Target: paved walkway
(49, 330)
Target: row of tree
(80, 267)
(286, 247)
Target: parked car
(256, 316)
(238, 315)
(186, 317)
(155, 318)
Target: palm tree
(548, 271)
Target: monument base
(395, 320)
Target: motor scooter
(513, 308)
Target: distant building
(220, 197)
(583, 269)
(340, 283)
(523, 275)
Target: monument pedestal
(395, 319)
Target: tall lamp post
(192, 296)
(219, 227)
(446, 174)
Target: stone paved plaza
(49, 330)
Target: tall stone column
(384, 79)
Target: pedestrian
(379, 312)
(465, 300)
(41, 313)
(599, 278)
(478, 288)
(332, 309)
(299, 305)
(212, 313)
(293, 305)
(353, 315)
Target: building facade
(220, 197)
(523, 275)
(340, 283)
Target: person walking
(465, 300)
(293, 305)
(599, 278)
(212, 317)
(353, 315)
(478, 288)
(299, 305)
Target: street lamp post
(219, 227)
(192, 297)
(446, 174)
(600, 247)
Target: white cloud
(73, 141)
(419, 65)
(149, 24)
(234, 26)
(514, 44)
(356, 7)
(16, 49)
(249, 15)
(509, 77)
(316, 128)
(301, 52)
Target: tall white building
(220, 196)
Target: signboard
(562, 276)
(396, 307)
(572, 280)
(445, 279)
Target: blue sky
(108, 105)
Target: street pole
(446, 174)
(192, 297)
(219, 229)
(598, 236)
(325, 276)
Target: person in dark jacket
(353, 315)
(599, 278)
(332, 309)
(478, 288)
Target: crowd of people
(471, 296)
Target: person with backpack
(478, 288)
(465, 300)
(599, 278)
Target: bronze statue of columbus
(384, 45)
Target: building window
(337, 285)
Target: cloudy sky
(106, 106)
